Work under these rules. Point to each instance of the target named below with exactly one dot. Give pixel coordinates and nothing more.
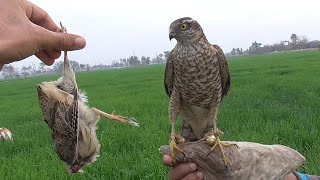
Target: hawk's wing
(224, 71)
(169, 74)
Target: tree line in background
(256, 48)
(294, 43)
(10, 72)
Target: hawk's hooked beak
(172, 35)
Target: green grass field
(275, 99)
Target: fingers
(290, 176)
(48, 35)
(167, 160)
(40, 17)
(58, 41)
(55, 54)
(193, 176)
(48, 58)
(181, 171)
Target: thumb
(59, 41)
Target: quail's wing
(169, 74)
(47, 106)
(224, 70)
(66, 130)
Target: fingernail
(80, 42)
(193, 166)
(200, 175)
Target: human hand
(187, 171)
(183, 171)
(26, 29)
(212, 166)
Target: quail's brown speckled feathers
(72, 122)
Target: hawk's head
(185, 30)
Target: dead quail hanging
(72, 122)
(196, 80)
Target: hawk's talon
(173, 146)
(220, 145)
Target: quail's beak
(172, 35)
(38, 87)
(74, 169)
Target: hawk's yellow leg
(216, 140)
(173, 143)
(220, 145)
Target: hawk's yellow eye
(183, 26)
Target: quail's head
(81, 162)
(185, 30)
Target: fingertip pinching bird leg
(66, 59)
(116, 117)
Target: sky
(119, 29)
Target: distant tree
(254, 48)
(294, 38)
(82, 66)
(124, 62)
(313, 44)
(303, 39)
(162, 59)
(158, 59)
(278, 47)
(256, 45)
(285, 42)
(42, 67)
(302, 42)
(8, 72)
(266, 49)
(154, 60)
(88, 67)
(75, 65)
(148, 60)
(58, 66)
(33, 68)
(25, 71)
(238, 51)
(233, 52)
(133, 61)
(115, 63)
(145, 60)
(166, 54)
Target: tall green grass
(275, 99)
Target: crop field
(275, 99)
